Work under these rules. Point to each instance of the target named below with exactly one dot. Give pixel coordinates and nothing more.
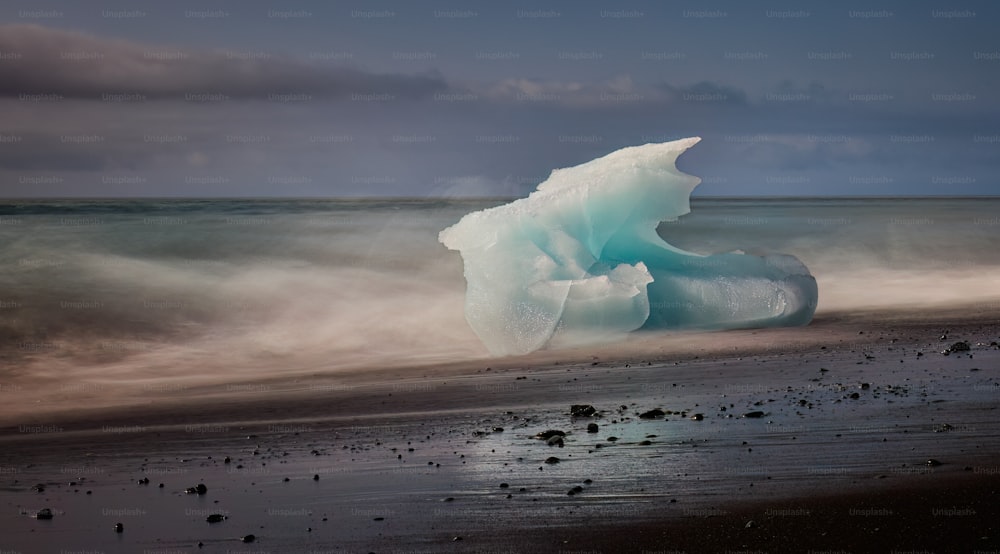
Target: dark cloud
(705, 93)
(43, 60)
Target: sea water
(158, 288)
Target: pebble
(215, 518)
(652, 414)
(199, 489)
(119, 528)
(248, 538)
(592, 428)
(552, 460)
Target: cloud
(42, 60)
(618, 92)
(704, 92)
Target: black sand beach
(853, 434)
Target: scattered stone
(750, 524)
(645, 443)
(227, 460)
(592, 428)
(855, 395)
(119, 528)
(38, 488)
(754, 414)
(44, 513)
(215, 518)
(575, 490)
(552, 460)
(960, 346)
(652, 414)
(316, 477)
(199, 489)
(498, 429)
(456, 539)
(698, 417)
(612, 439)
(143, 481)
(933, 463)
(546, 435)
(582, 410)
(504, 485)
(378, 519)
(248, 538)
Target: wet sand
(852, 409)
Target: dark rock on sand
(215, 518)
(119, 528)
(546, 435)
(44, 513)
(697, 417)
(933, 463)
(960, 346)
(199, 489)
(248, 538)
(592, 428)
(652, 414)
(575, 490)
(582, 410)
(754, 414)
(555, 440)
(552, 460)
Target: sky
(325, 98)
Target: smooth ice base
(579, 260)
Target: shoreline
(152, 401)
(852, 412)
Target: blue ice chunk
(579, 260)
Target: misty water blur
(222, 290)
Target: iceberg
(579, 260)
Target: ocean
(154, 289)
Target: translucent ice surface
(579, 260)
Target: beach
(855, 433)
